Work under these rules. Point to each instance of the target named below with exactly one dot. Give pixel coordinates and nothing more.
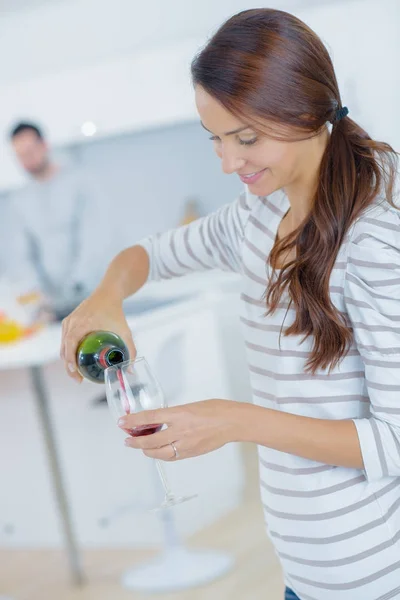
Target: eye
(215, 138)
(248, 142)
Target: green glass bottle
(98, 351)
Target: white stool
(176, 567)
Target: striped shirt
(336, 530)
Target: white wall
(123, 64)
(60, 35)
(127, 68)
(363, 38)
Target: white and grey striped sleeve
(212, 242)
(372, 296)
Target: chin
(261, 188)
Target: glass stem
(164, 479)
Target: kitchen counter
(183, 341)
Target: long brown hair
(269, 66)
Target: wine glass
(130, 388)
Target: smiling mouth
(251, 176)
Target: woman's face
(263, 163)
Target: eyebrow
(229, 132)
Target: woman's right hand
(98, 312)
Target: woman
(318, 247)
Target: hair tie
(340, 114)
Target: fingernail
(126, 442)
(71, 367)
(122, 422)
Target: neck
(48, 171)
(302, 191)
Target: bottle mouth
(114, 357)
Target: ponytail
(355, 170)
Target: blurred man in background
(61, 225)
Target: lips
(250, 178)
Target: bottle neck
(110, 356)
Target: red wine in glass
(144, 430)
(135, 431)
(131, 387)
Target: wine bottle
(98, 351)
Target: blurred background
(100, 145)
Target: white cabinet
(184, 343)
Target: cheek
(264, 155)
(276, 156)
(28, 161)
(282, 161)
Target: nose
(231, 162)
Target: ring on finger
(175, 450)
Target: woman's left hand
(193, 429)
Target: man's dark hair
(25, 126)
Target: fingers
(68, 353)
(74, 373)
(166, 453)
(70, 358)
(62, 353)
(147, 417)
(150, 442)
